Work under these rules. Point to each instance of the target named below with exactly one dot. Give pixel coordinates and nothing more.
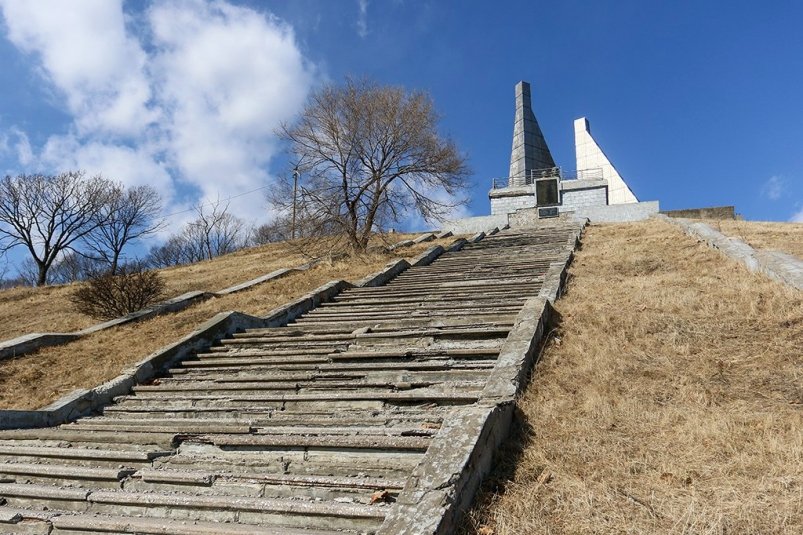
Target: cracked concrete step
(420, 417)
(351, 442)
(336, 361)
(94, 523)
(400, 323)
(259, 485)
(270, 511)
(415, 363)
(58, 474)
(340, 329)
(260, 338)
(162, 439)
(302, 387)
(172, 427)
(73, 455)
(311, 462)
(268, 376)
(400, 353)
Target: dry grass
(669, 401)
(40, 378)
(30, 310)
(785, 237)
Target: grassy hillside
(48, 309)
(785, 237)
(669, 400)
(35, 380)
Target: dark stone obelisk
(530, 151)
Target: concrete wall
(616, 213)
(584, 198)
(713, 212)
(470, 225)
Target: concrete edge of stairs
(82, 402)
(443, 485)
(776, 265)
(28, 343)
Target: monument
(537, 188)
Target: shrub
(106, 296)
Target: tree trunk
(41, 279)
(115, 261)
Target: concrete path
(312, 428)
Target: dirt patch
(669, 400)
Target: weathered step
(16, 521)
(61, 474)
(162, 439)
(170, 428)
(423, 395)
(80, 455)
(354, 489)
(270, 511)
(352, 442)
(94, 523)
(420, 363)
(260, 338)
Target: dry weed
(670, 399)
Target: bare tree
(216, 232)
(171, 253)
(212, 233)
(128, 215)
(72, 267)
(369, 155)
(48, 214)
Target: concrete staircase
(307, 429)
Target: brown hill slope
(39, 378)
(670, 399)
(48, 309)
(785, 237)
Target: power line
(210, 203)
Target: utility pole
(295, 191)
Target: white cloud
(133, 166)
(85, 52)
(797, 217)
(362, 18)
(228, 77)
(773, 188)
(189, 93)
(16, 141)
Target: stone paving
(311, 428)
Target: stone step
(95, 523)
(267, 376)
(433, 363)
(270, 511)
(351, 442)
(310, 461)
(260, 338)
(94, 457)
(416, 417)
(161, 440)
(301, 387)
(61, 474)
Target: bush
(106, 296)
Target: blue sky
(696, 103)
